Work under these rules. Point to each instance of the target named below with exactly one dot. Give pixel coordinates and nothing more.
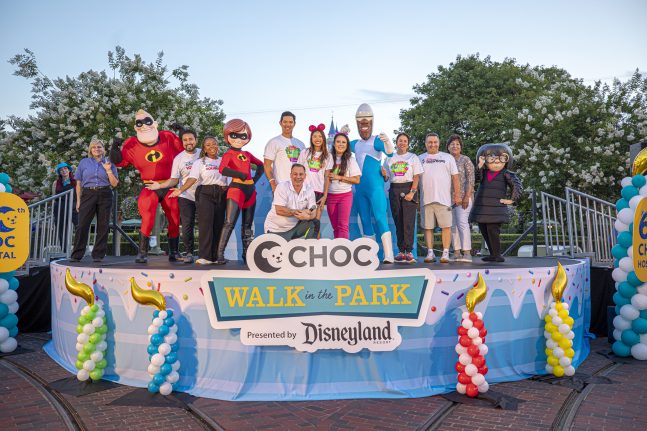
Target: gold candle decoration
(76, 288)
(639, 166)
(476, 294)
(147, 297)
(560, 283)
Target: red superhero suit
(241, 191)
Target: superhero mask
(238, 139)
(146, 128)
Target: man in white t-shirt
(294, 208)
(439, 174)
(180, 170)
(281, 152)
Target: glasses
(242, 136)
(148, 121)
(503, 158)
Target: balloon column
(471, 347)
(162, 335)
(91, 341)
(8, 296)
(558, 330)
(630, 323)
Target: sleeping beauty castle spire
(332, 131)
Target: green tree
(70, 111)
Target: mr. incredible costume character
(369, 193)
(241, 194)
(152, 152)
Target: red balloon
(478, 324)
(460, 367)
(465, 341)
(462, 331)
(479, 361)
(473, 317)
(464, 379)
(482, 370)
(482, 332)
(473, 350)
(472, 390)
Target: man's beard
(148, 136)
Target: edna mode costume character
(369, 193)
(152, 152)
(242, 191)
(490, 208)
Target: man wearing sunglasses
(151, 152)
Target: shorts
(436, 215)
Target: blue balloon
(4, 178)
(631, 227)
(618, 306)
(152, 349)
(639, 325)
(156, 313)
(638, 181)
(176, 346)
(165, 369)
(625, 239)
(8, 188)
(620, 300)
(14, 283)
(627, 290)
(158, 379)
(621, 349)
(633, 279)
(9, 321)
(622, 204)
(157, 339)
(169, 313)
(618, 251)
(13, 332)
(7, 275)
(643, 315)
(4, 310)
(153, 388)
(169, 321)
(163, 330)
(629, 337)
(629, 192)
(616, 263)
(171, 358)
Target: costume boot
(246, 232)
(173, 249)
(142, 255)
(387, 246)
(231, 214)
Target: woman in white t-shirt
(317, 161)
(344, 173)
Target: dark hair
(188, 131)
(403, 134)
(453, 138)
(345, 157)
(297, 165)
(324, 146)
(495, 150)
(204, 140)
(288, 114)
(428, 135)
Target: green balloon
(102, 329)
(89, 347)
(83, 356)
(95, 338)
(79, 328)
(90, 316)
(83, 319)
(96, 374)
(79, 365)
(94, 308)
(101, 364)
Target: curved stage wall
(216, 364)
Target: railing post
(569, 222)
(534, 223)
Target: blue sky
(316, 58)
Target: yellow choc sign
(639, 240)
(14, 232)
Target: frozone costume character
(151, 152)
(369, 193)
(490, 209)
(241, 194)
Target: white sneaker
(431, 257)
(445, 257)
(466, 258)
(202, 261)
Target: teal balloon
(643, 314)
(4, 178)
(629, 337)
(631, 228)
(621, 349)
(616, 263)
(13, 332)
(8, 188)
(625, 239)
(151, 349)
(622, 204)
(620, 300)
(4, 310)
(169, 313)
(153, 388)
(157, 339)
(633, 279)
(174, 347)
(156, 313)
(166, 369)
(638, 181)
(14, 283)
(629, 192)
(163, 330)
(158, 379)
(619, 251)
(9, 321)
(639, 325)
(8, 275)
(171, 358)
(169, 321)
(627, 290)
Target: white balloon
(557, 321)
(170, 338)
(164, 349)
(96, 356)
(619, 275)
(2, 188)
(569, 371)
(461, 388)
(85, 310)
(152, 329)
(477, 341)
(153, 369)
(621, 323)
(564, 328)
(158, 322)
(643, 338)
(100, 313)
(617, 333)
(643, 190)
(4, 334)
(484, 387)
(172, 329)
(467, 323)
(9, 297)
(639, 351)
(570, 335)
(626, 264)
(79, 347)
(101, 345)
(551, 344)
(172, 377)
(97, 321)
(166, 388)
(483, 349)
(157, 359)
(639, 301)
(8, 345)
(633, 202)
(478, 379)
(630, 252)
(565, 306)
(83, 375)
(629, 312)
(479, 314)
(13, 308)
(460, 349)
(626, 182)
(626, 215)
(88, 328)
(465, 315)
(82, 338)
(89, 365)
(620, 226)
(465, 359)
(471, 370)
(472, 332)
(163, 314)
(175, 365)
(549, 369)
(564, 361)
(3, 286)
(558, 352)
(548, 335)
(553, 311)
(642, 289)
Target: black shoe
(97, 259)
(142, 255)
(220, 261)
(499, 259)
(74, 259)
(488, 258)
(173, 250)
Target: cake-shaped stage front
(323, 319)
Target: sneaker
(445, 257)
(466, 258)
(400, 257)
(457, 257)
(408, 258)
(202, 261)
(188, 258)
(431, 257)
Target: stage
(215, 363)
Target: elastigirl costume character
(151, 152)
(490, 208)
(236, 164)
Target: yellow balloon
(147, 297)
(556, 336)
(548, 351)
(551, 328)
(76, 288)
(559, 306)
(548, 318)
(553, 360)
(558, 370)
(569, 353)
(559, 284)
(563, 314)
(565, 343)
(476, 294)
(569, 321)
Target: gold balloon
(476, 293)
(81, 290)
(560, 283)
(147, 297)
(639, 166)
